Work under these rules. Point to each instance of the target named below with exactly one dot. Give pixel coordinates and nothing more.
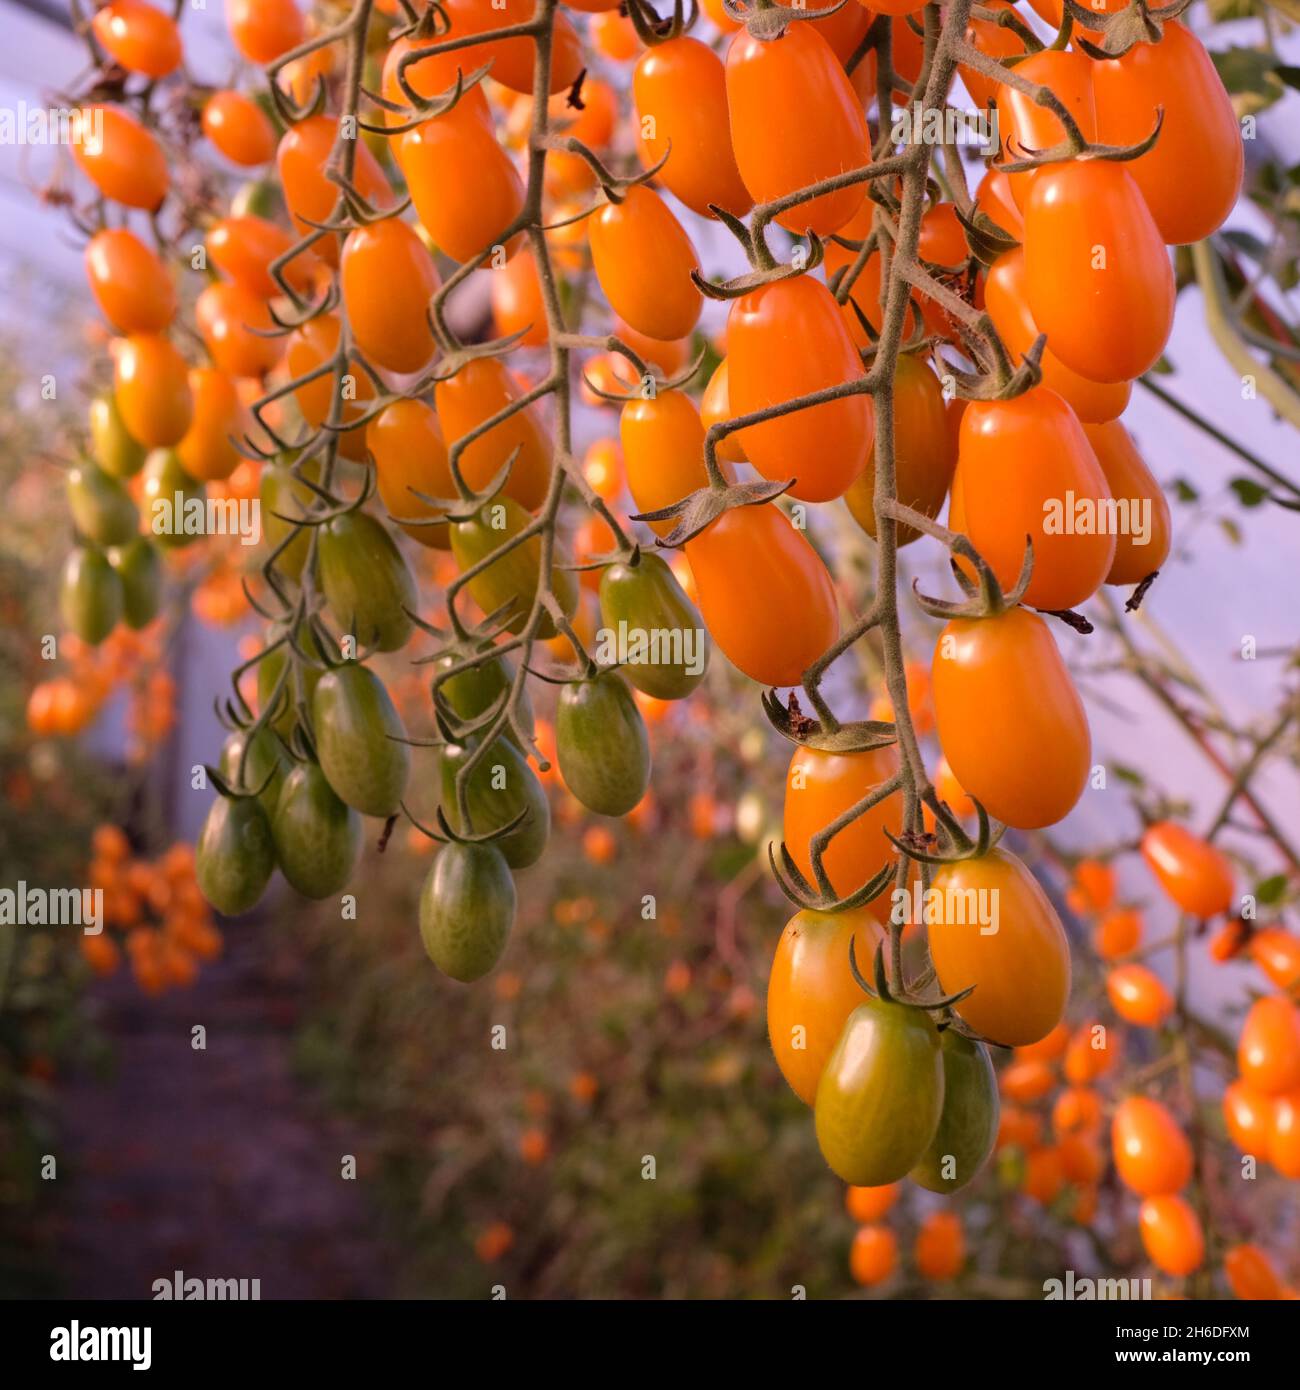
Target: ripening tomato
(1004, 298)
(1172, 1235)
(481, 389)
(811, 991)
(1191, 177)
(1014, 951)
(1195, 876)
(513, 60)
(1250, 1273)
(1248, 1116)
(997, 41)
(1268, 1051)
(1143, 525)
(994, 198)
(207, 451)
(264, 29)
(1027, 128)
(1139, 995)
(680, 92)
(1152, 1155)
(715, 408)
(410, 456)
(614, 36)
(465, 187)
(365, 581)
(1077, 1111)
(151, 386)
(1277, 953)
(1118, 933)
(968, 1124)
(239, 128)
(233, 324)
(432, 77)
(138, 37)
(123, 160)
(868, 1204)
(819, 788)
(1025, 469)
(784, 340)
(1098, 278)
(517, 302)
(1010, 721)
(308, 348)
(1026, 1080)
(1092, 886)
(940, 1248)
(1089, 1055)
(663, 452)
(873, 1256)
(387, 278)
(302, 158)
(784, 616)
(245, 247)
(1284, 1137)
(924, 457)
(768, 81)
(643, 261)
(129, 281)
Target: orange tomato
(997, 41)
(1082, 1160)
(1089, 1054)
(517, 302)
(1268, 1051)
(1143, 532)
(1152, 1155)
(663, 452)
(1118, 933)
(264, 29)
(1248, 1116)
(239, 128)
(406, 442)
(310, 347)
(244, 248)
(1172, 1235)
(643, 261)
(715, 408)
(513, 59)
(388, 278)
(1025, 1081)
(1044, 1175)
(873, 1257)
(138, 37)
(1284, 1138)
(123, 160)
(602, 467)
(1277, 953)
(207, 452)
(1195, 876)
(302, 158)
(1139, 996)
(940, 1249)
(614, 36)
(1250, 1273)
(1077, 1110)
(1092, 886)
(1046, 1049)
(232, 323)
(952, 792)
(869, 1204)
(152, 390)
(1025, 127)
(130, 283)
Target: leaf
(1271, 890)
(1184, 491)
(1251, 76)
(1128, 774)
(1249, 492)
(1164, 367)
(1223, 10)
(1247, 243)
(1230, 529)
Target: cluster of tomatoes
(938, 1249)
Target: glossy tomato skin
(405, 440)
(1197, 877)
(1268, 1051)
(90, 595)
(1141, 546)
(129, 282)
(474, 691)
(501, 788)
(1010, 721)
(1152, 1155)
(239, 128)
(244, 247)
(510, 581)
(715, 407)
(235, 857)
(207, 451)
(601, 745)
(366, 581)
(317, 837)
(517, 302)
(785, 340)
(1004, 298)
(968, 1124)
(139, 567)
(285, 713)
(233, 323)
(263, 770)
(643, 259)
(1171, 1232)
(663, 452)
(1191, 177)
(152, 390)
(285, 496)
(308, 348)
(167, 494)
(1027, 128)
(1098, 278)
(784, 616)
(646, 598)
(880, 1096)
(1025, 469)
(302, 157)
(766, 83)
(358, 740)
(116, 451)
(124, 161)
(139, 36)
(264, 29)
(680, 92)
(1020, 969)
(467, 907)
(811, 991)
(513, 59)
(819, 788)
(996, 40)
(388, 279)
(431, 77)
(101, 507)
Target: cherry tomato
(1027, 128)
(431, 77)
(1277, 953)
(1268, 1051)
(244, 247)
(643, 260)
(151, 386)
(1118, 933)
(784, 340)
(502, 788)
(90, 595)
(940, 1248)
(646, 599)
(388, 278)
(1196, 877)
(513, 60)
(968, 1124)
(360, 740)
(235, 857)
(663, 452)
(264, 29)
(995, 199)
(410, 456)
(776, 623)
(614, 36)
(517, 302)
(302, 158)
(1010, 722)
(1014, 953)
(123, 160)
(715, 407)
(138, 37)
(1172, 1235)
(467, 907)
(239, 128)
(997, 41)
(207, 451)
(1139, 996)
(1284, 1138)
(310, 347)
(1142, 545)
(1248, 1116)
(1250, 1273)
(129, 282)
(873, 1256)
(1152, 1155)
(233, 323)
(366, 581)
(601, 744)
(116, 451)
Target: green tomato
(357, 740)
(471, 693)
(264, 761)
(169, 495)
(283, 494)
(317, 837)
(90, 596)
(601, 745)
(500, 787)
(881, 1094)
(366, 581)
(660, 634)
(968, 1125)
(467, 907)
(116, 452)
(235, 857)
(268, 676)
(101, 507)
(139, 566)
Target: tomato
(130, 283)
(359, 740)
(481, 389)
(783, 617)
(1077, 1111)
(1118, 933)
(431, 77)
(997, 41)
(1152, 1155)
(1268, 1051)
(645, 602)
(1092, 886)
(1026, 1081)
(1025, 468)
(116, 452)
(467, 907)
(924, 458)
(643, 261)
(264, 29)
(785, 340)
(601, 745)
(234, 857)
(101, 507)
(1027, 128)
(1191, 177)
(500, 788)
(1139, 996)
(1277, 953)
(1097, 276)
(406, 442)
(992, 926)
(139, 567)
(310, 347)
(239, 128)
(301, 159)
(811, 992)
(1284, 1140)
(517, 303)
(317, 838)
(1142, 542)
(282, 495)
(123, 160)
(873, 1256)
(472, 692)
(152, 389)
(1250, 1273)
(285, 715)
(594, 124)
(366, 581)
(868, 1204)
(663, 452)
(232, 323)
(1010, 721)
(138, 37)
(1089, 1055)
(614, 36)
(208, 452)
(940, 1248)
(512, 578)
(819, 788)
(1047, 1049)
(679, 90)
(243, 247)
(263, 769)
(388, 278)
(1172, 1235)
(766, 82)
(90, 595)
(995, 199)
(1195, 876)
(1248, 1116)
(880, 1096)
(513, 60)
(968, 1124)
(1004, 298)
(715, 407)
(465, 187)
